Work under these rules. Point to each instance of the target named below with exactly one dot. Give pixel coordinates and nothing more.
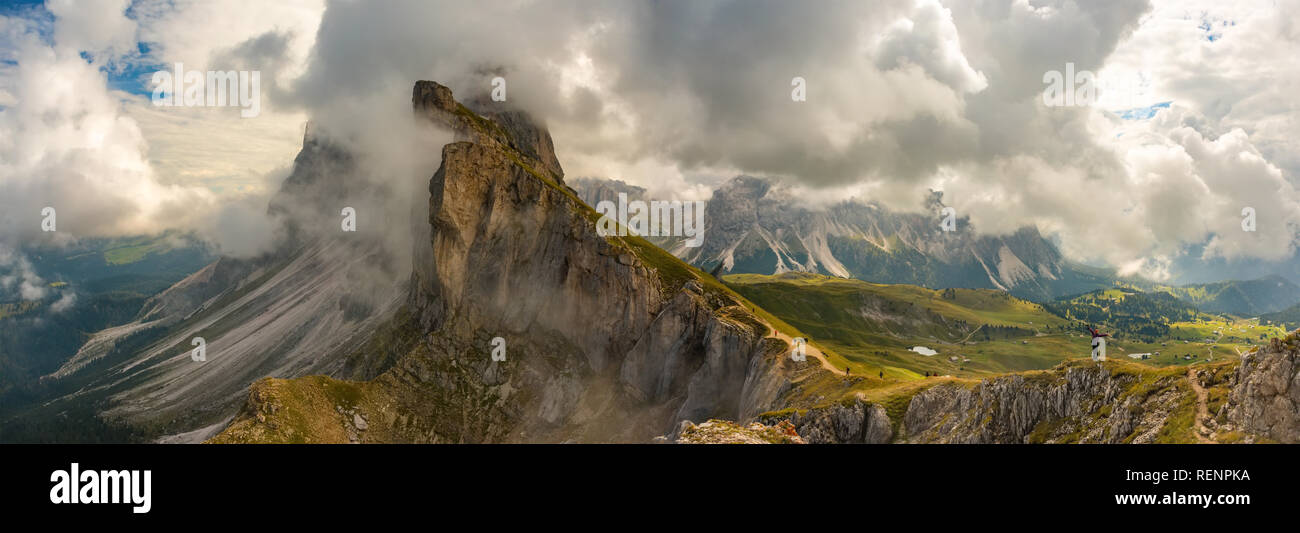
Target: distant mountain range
(1244, 298)
(753, 226)
(1194, 267)
(1288, 318)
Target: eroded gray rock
(856, 422)
(1266, 399)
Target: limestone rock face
(857, 422)
(1081, 404)
(526, 136)
(607, 339)
(489, 123)
(601, 340)
(1266, 398)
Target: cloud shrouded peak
(900, 97)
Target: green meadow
(871, 328)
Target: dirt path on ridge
(1202, 412)
(812, 350)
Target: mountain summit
(605, 338)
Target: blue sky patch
(1143, 113)
(1208, 24)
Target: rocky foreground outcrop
(1086, 403)
(604, 338)
(1077, 402)
(1266, 398)
(854, 421)
(725, 432)
(1256, 400)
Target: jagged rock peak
(747, 186)
(487, 122)
(431, 94)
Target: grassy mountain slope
(1158, 317)
(860, 307)
(873, 327)
(1127, 312)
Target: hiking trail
(1202, 412)
(812, 350)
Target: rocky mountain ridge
(756, 226)
(304, 307)
(607, 339)
(613, 340)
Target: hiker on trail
(846, 371)
(882, 374)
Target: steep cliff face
(1265, 401)
(606, 338)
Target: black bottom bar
(311, 483)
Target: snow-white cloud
(96, 28)
(902, 96)
(67, 143)
(111, 163)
